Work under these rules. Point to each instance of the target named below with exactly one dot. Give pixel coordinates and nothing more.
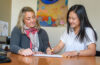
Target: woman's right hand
(26, 52)
(49, 51)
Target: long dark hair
(84, 21)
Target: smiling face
(73, 20)
(29, 19)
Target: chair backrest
(97, 53)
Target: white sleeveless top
(73, 44)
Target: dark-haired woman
(80, 37)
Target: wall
(54, 34)
(93, 11)
(17, 5)
(5, 12)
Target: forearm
(59, 47)
(87, 52)
(91, 51)
(56, 49)
(15, 48)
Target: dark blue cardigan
(19, 40)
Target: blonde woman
(27, 37)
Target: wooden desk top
(31, 60)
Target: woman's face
(29, 19)
(73, 20)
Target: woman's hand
(49, 51)
(70, 54)
(26, 52)
(39, 52)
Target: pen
(50, 47)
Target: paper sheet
(46, 55)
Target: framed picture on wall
(3, 28)
(52, 12)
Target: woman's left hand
(70, 54)
(39, 52)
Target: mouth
(71, 23)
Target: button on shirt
(73, 44)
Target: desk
(31, 60)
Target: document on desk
(46, 55)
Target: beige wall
(5, 12)
(93, 11)
(17, 5)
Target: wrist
(20, 51)
(78, 53)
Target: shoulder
(89, 30)
(42, 33)
(64, 37)
(41, 30)
(65, 33)
(90, 36)
(90, 33)
(16, 30)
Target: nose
(33, 19)
(70, 20)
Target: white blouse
(73, 44)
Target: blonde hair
(20, 22)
